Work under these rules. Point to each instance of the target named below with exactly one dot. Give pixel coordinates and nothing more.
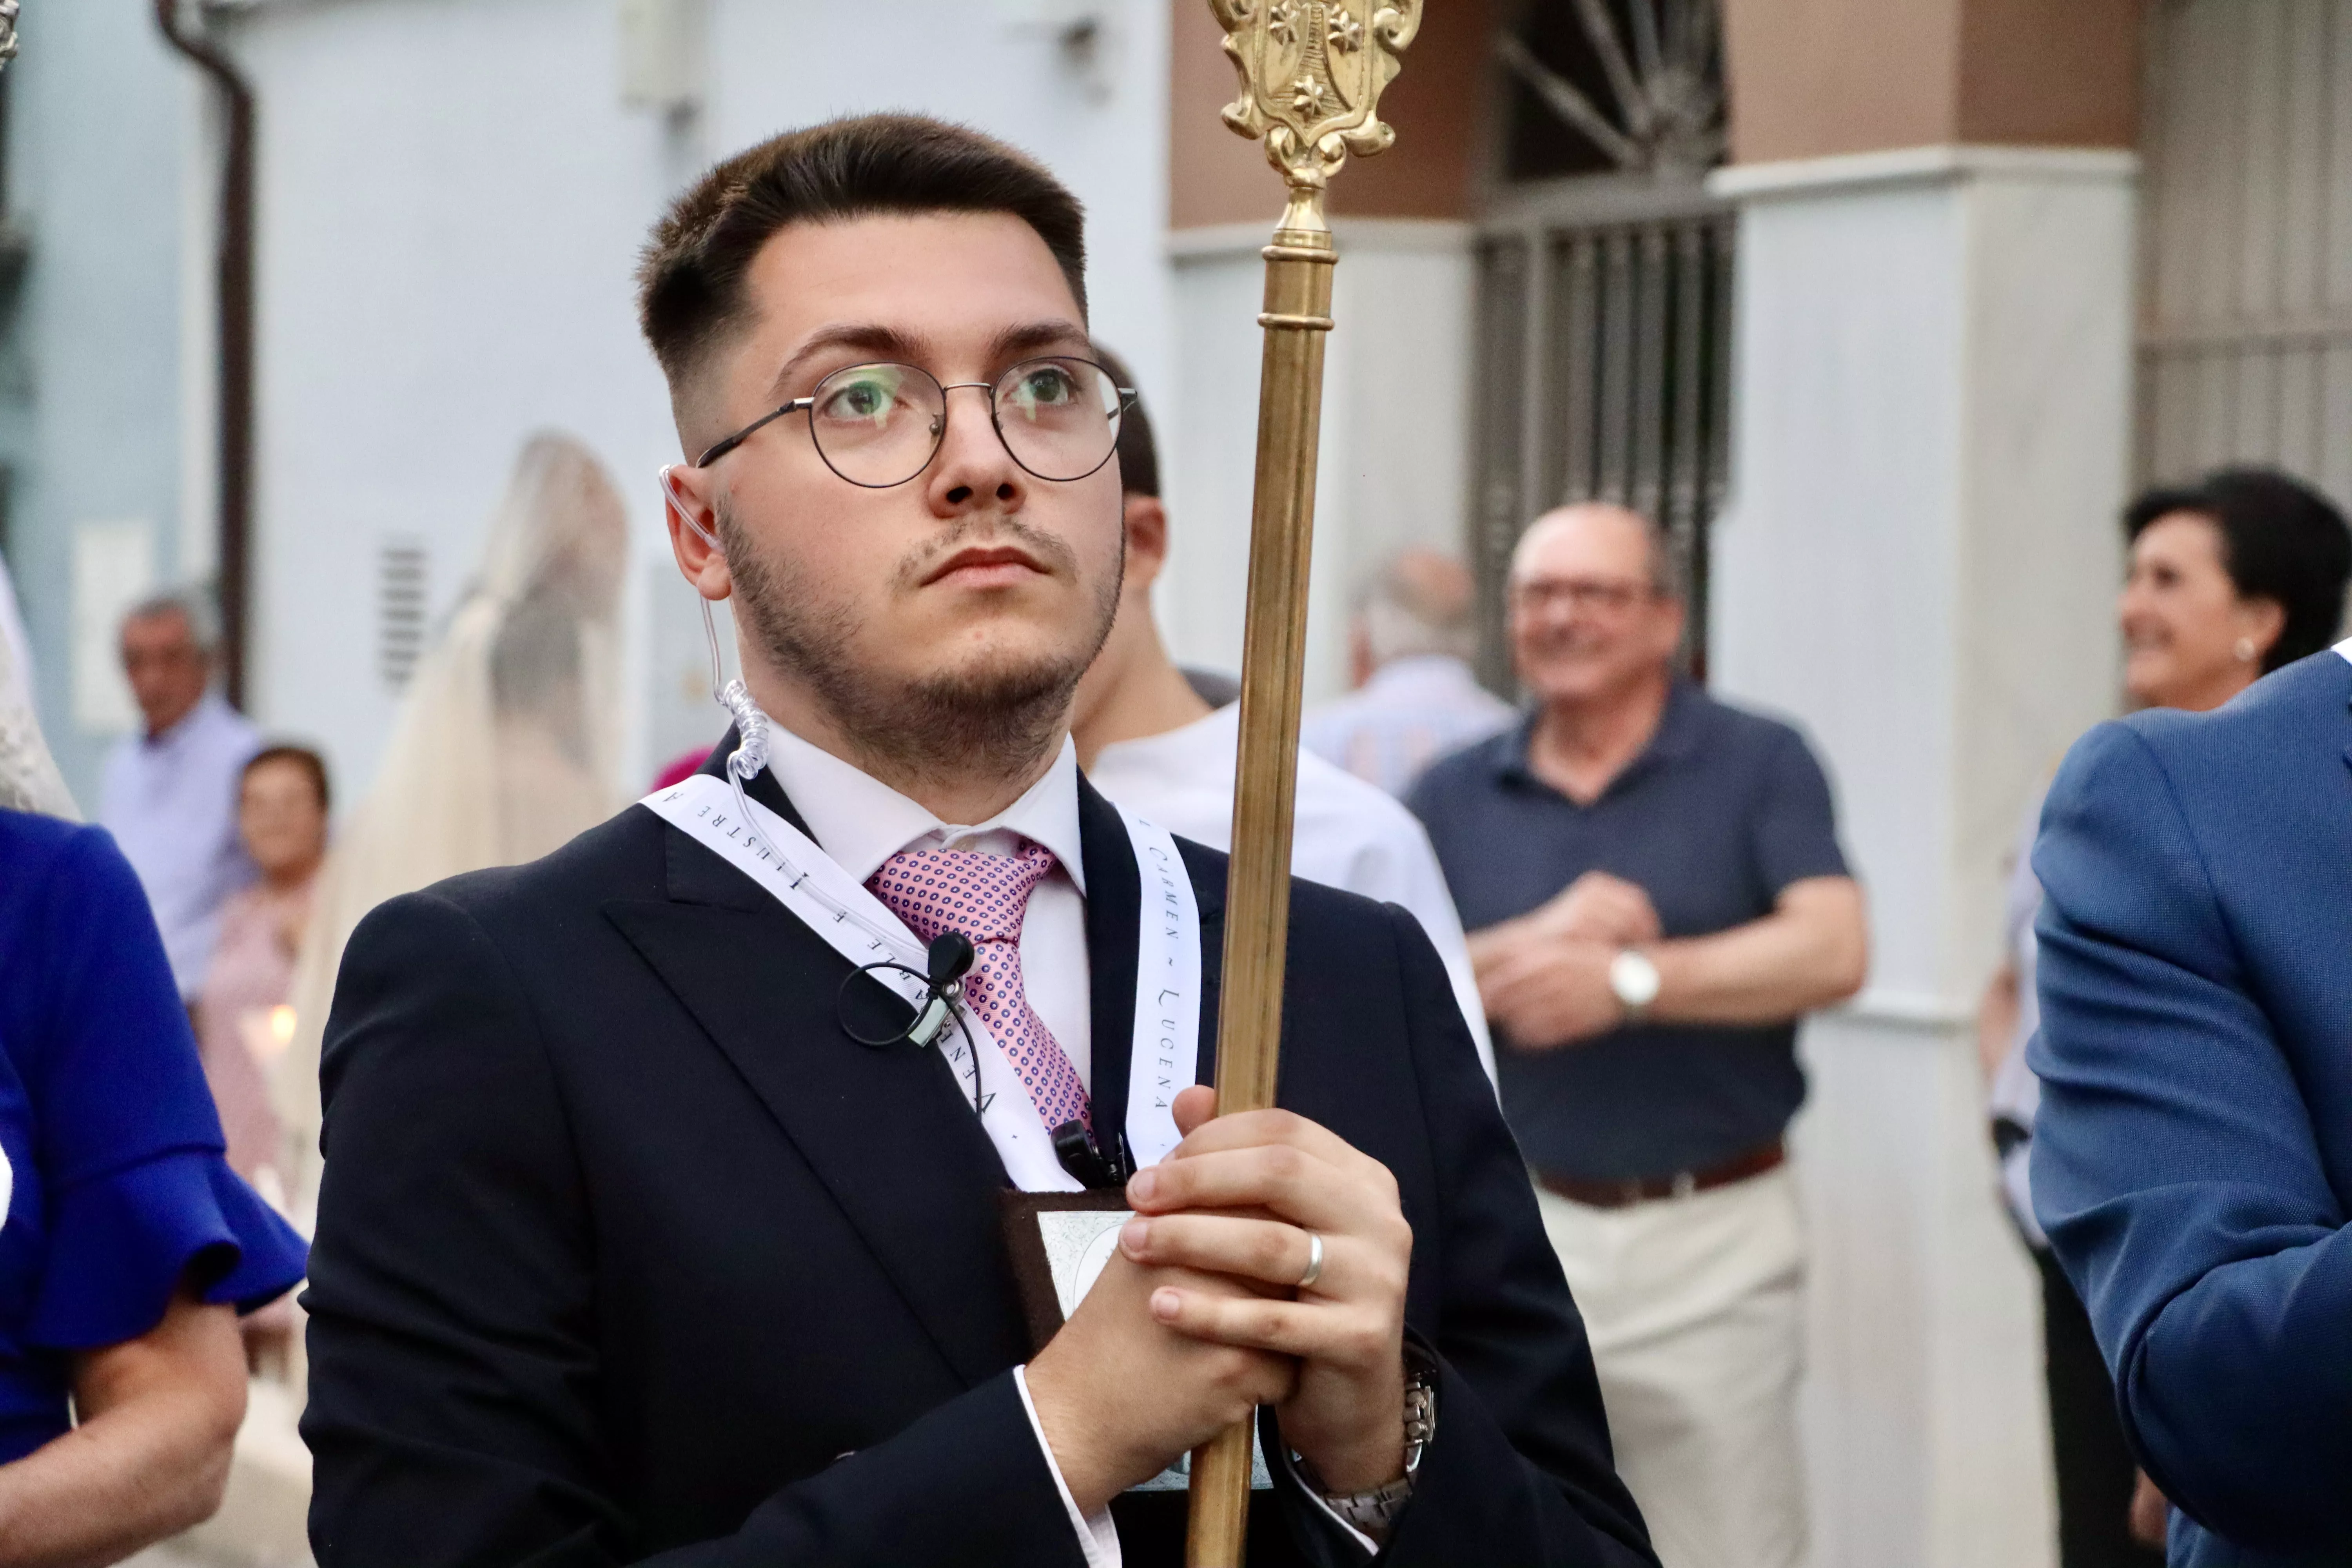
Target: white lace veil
(30, 780)
(506, 746)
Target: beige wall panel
(1214, 175)
(1812, 77)
(2049, 73)
(1437, 106)
(1815, 77)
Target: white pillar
(1919, 563)
(1394, 466)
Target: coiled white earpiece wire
(750, 756)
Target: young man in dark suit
(630, 1251)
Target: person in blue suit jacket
(2192, 1157)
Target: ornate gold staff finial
(1312, 72)
(7, 31)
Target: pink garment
(680, 769)
(986, 896)
(252, 974)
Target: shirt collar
(861, 822)
(194, 721)
(1674, 738)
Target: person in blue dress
(127, 1246)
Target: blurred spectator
(1409, 651)
(129, 1243)
(505, 747)
(243, 1018)
(1148, 741)
(2231, 579)
(1656, 893)
(169, 791)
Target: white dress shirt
(1345, 833)
(171, 802)
(861, 822)
(1410, 713)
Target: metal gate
(1604, 350)
(2245, 341)
(1604, 289)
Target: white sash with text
(821, 896)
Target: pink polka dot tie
(985, 897)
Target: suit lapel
(888, 1132)
(1114, 899)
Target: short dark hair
(690, 276)
(302, 757)
(2281, 540)
(1138, 453)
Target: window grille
(2245, 337)
(1604, 290)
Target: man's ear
(690, 511)
(1146, 540)
(1676, 611)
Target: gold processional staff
(1312, 72)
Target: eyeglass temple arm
(720, 450)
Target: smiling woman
(2235, 576)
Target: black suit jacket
(626, 1253)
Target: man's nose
(972, 457)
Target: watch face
(1633, 978)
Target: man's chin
(1003, 673)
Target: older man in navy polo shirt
(1655, 894)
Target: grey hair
(194, 605)
(1421, 602)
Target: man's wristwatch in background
(1375, 1510)
(1634, 980)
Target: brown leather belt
(1681, 1183)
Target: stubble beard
(994, 719)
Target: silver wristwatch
(1633, 980)
(1375, 1510)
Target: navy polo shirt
(1722, 811)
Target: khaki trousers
(1695, 1306)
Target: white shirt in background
(1345, 833)
(171, 802)
(1413, 711)
(2016, 1093)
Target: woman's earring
(2245, 650)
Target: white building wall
(1395, 438)
(1918, 563)
(453, 195)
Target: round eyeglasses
(880, 424)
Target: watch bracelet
(1377, 1508)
